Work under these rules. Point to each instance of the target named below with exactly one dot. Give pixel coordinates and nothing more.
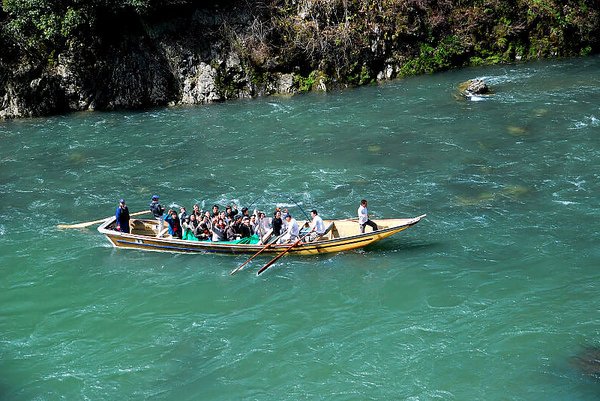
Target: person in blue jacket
(157, 211)
(174, 224)
(122, 217)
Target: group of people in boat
(224, 225)
(231, 225)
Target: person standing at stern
(363, 217)
(122, 217)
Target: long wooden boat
(341, 235)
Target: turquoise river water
(493, 296)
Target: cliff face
(176, 52)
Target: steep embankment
(67, 55)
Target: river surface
(493, 296)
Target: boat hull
(339, 239)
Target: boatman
(158, 213)
(363, 217)
(292, 232)
(122, 217)
(317, 227)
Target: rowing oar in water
(237, 269)
(276, 258)
(261, 250)
(91, 223)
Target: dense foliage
(322, 42)
(355, 39)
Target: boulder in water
(473, 87)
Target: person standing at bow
(122, 217)
(363, 217)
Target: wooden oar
(91, 223)
(259, 252)
(276, 258)
(237, 269)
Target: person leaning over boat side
(317, 227)
(122, 217)
(363, 217)
(292, 230)
(158, 213)
(174, 224)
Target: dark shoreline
(178, 53)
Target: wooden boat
(341, 235)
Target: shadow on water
(408, 246)
(383, 247)
(587, 361)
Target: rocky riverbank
(142, 54)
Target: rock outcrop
(185, 53)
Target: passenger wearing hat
(158, 213)
(122, 217)
(292, 230)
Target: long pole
(91, 223)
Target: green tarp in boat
(255, 239)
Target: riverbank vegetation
(61, 55)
